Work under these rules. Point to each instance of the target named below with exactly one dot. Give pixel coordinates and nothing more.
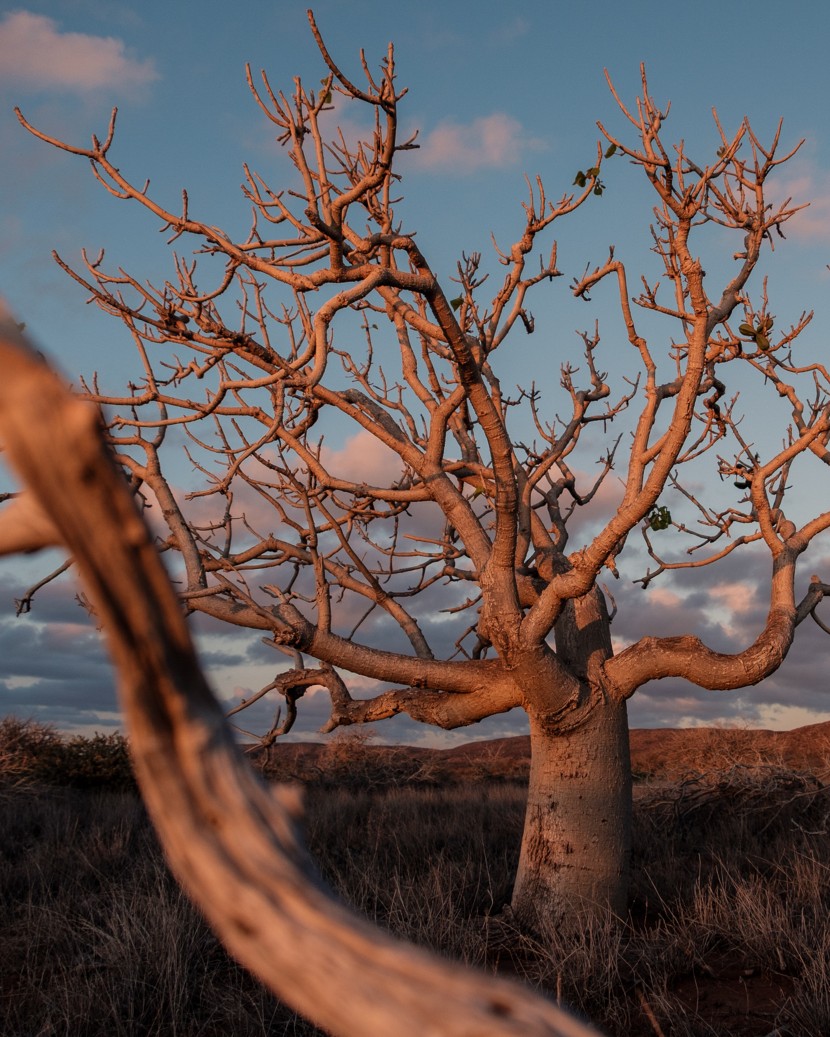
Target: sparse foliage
(328, 316)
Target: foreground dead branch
(232, 842)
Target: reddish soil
(665, 751)
(736, 997)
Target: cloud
(491, 142)
(808, 185)
(55, 669)
(726, 606)
(54, 664)
(363, 458)
(35, 53)
(509, 32)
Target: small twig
(649, 1014)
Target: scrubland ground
(727, 932)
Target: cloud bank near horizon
(56, 669)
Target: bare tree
(232, 842)
(327, 315)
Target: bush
(33, 754)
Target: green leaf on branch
(760, 334)
(456, 302)
(610, 150)
(580, 179)
(659, 518)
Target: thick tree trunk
(574, 861)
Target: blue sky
(495, 95)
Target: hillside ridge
(655, 753)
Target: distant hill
(657, 752)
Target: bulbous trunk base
(576, 847)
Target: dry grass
(727, 933)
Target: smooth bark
(576, 845)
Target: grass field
(727, 932)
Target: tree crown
(327, 317)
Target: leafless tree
(327, 315)
(232, 842)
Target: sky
(496, 95)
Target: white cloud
(733, 603)
(777, 717)
(735, 596)
(490, 142)
(363, 458)
(813, 222)
(34, 52)
(511, 31)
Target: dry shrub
(27, 749)
(32, 754)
